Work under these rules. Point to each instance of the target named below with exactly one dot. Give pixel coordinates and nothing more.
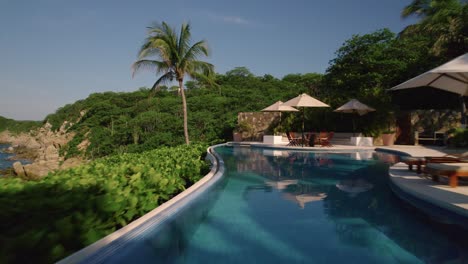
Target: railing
(434, 138)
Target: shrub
(458, 137)
(49, 219)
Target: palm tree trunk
(184, 107)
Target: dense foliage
(144, 120)
(48, 219)
(15, 126)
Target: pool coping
(99, 250)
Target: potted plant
(389, 134)
(388, 137)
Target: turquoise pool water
(299, 207)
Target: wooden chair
(292, 140)
(325, 142)
(321, 136)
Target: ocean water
(5, 161)
(4, 158)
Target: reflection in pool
(300, 207)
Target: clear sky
(54, 52)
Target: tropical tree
(175, 58)
(445, 21)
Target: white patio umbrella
(451, 76)
(279, 107)
(354, 107)
(305, 100)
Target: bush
(458, 137)
(49, 219)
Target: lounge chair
(421, 161)
(450, 170)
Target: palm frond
(151, 65)
(174, 57)
(199, 48)
(208, 80)
(165, 78)
(417, 7)
(197, 67)
(184, 38)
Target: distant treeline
(17, 126)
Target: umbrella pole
(354, 126)
(302, 126)
(463, 112)
(280, 125)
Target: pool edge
(422, 202)
(157, 216)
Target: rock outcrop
(18, 168)
(43, 147)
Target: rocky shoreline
(41, 146)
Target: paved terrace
(419, 186)
(422, 187)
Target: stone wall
(256, 124)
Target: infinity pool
(276, 206)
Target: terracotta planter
(388, 139)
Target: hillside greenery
(16, 127)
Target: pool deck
(419, 186)
(422, 187)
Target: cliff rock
(18, 168)
(43, 146)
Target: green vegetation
(458, 137)
(176, 59)
(49, 219)
(17, 126)
(444, 21)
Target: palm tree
(175, 59)
(445, 21)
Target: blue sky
(54, 52)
